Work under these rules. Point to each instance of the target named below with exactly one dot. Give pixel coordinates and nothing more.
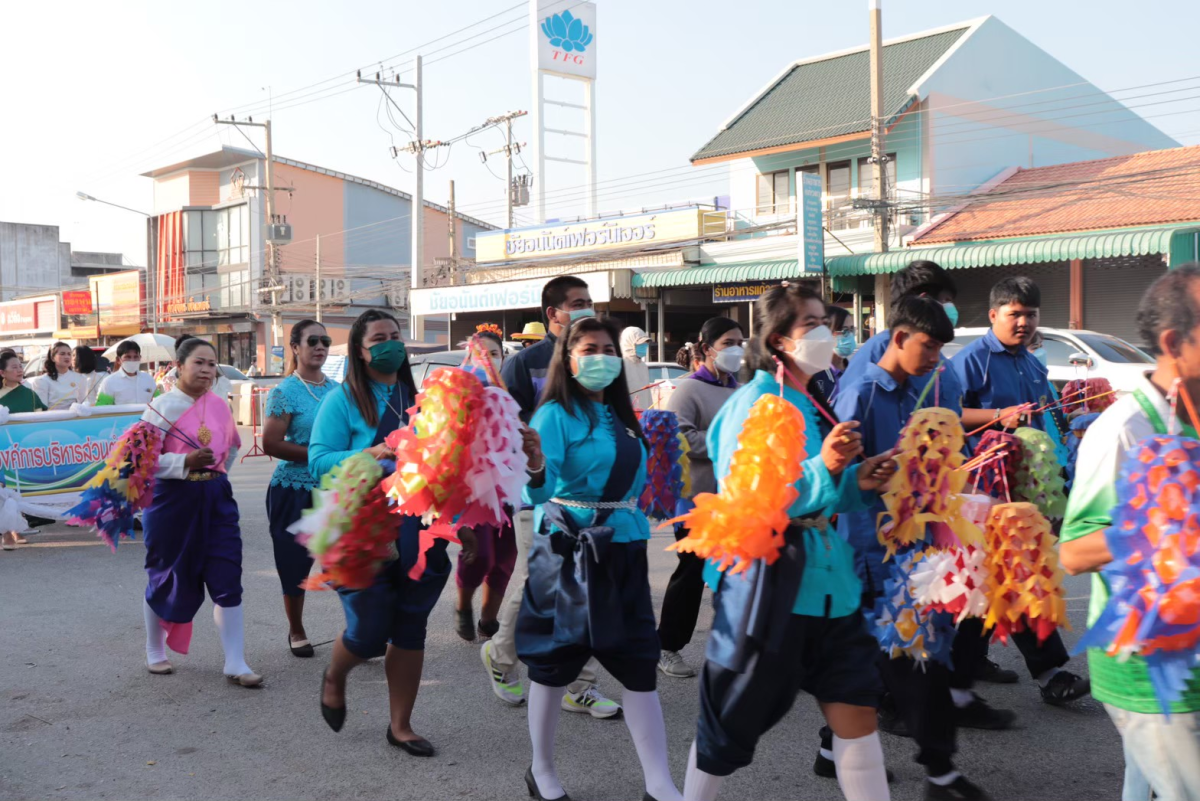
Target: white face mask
(131, 366)
(730, 359)
(813, 352)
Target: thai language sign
(595, 235)
(812, 225)
(45, 458)
(741, 293)
(493, 297)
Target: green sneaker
(506, 686)
(591, 702)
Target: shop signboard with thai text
(77, 301)
(30, 316)
(494, 297)
(569, 239)
(746, 292)
(811, 224)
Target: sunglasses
(315, 340)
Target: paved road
(81, 718)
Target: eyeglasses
(315, 340)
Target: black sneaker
(1065, 687)
(893, 723)
(990, 672)
(980, 715)
(825, 768)
(958, 790)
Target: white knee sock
(643, 716)
(229, 625)
(544, 706)
(700, 786)
(860, 769)
(156, 635)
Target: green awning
(706, 275)
(1177, 243)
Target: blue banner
(812, 224)
(56, 456)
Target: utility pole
(416, 326)
(510, 149)
(453, 238)
(274, 284)
(883, 282)
(319, 287)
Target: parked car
(660, 371)
(1074, 354)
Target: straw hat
(532, 333)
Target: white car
(1078, 354)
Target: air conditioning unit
(279, 233)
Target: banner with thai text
(46, 453)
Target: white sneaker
(671, 664)
(592, 702)
(506, 686)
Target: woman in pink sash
(193, 542)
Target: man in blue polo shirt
(1002, 382)
(919, 279)
(564, 299)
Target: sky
(96, 93)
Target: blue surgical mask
(1040, 355)
(597, 371)
(579, 314)
(845, 344)
(642, 350)
(951, 312)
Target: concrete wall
(29, 259)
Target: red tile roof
(1153, 188)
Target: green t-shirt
(1124, 684)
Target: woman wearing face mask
(635, 349)
(390, 617)
(193, 541)
(844, 343)
(290, 411)
(812, 636)
(495, 553)
(695, 402)
(585, 485)
(59, 386)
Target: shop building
(33, 258)
(1093, 234)
(350, 236)
(29, 324)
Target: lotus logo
(567, 31)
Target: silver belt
(630, 504)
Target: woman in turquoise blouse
(390, 617)
(291, 410)
(585, 487)
(794, 625)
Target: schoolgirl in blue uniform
(794, 625)
(588, 592)
(390, 617)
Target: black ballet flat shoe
(301, 648)
(334, 716)
(534, 792)
(488, 629)
(417, 748)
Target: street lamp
(153, 283)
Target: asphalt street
(82, 719)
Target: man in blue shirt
(564, 299)
(881, 398)
(1002, 384)
(919, 279)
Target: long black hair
(358, 379)
(48, 365)
(776, 313)
(562, 388)
(85, 358)
(295, 340)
